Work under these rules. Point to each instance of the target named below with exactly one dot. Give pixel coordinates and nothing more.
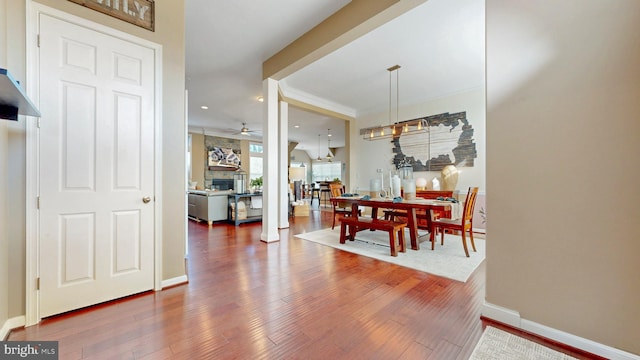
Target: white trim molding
(512, 318)
(158, 126)
(291, 94)
(11, 324)
(32, 312)
(179, 280)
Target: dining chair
(463, 224)
(338, 208)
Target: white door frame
(34, 9)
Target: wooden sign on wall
(448, 142)
(137, 12)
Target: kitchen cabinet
(208, 206)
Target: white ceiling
(440, 46)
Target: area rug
(447, 261)
(498, 344)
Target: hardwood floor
(291, 299)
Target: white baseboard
(512, 318)
(479, 231)
(175, 281)
(12, 323)
(501, 314)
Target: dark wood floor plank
(445, 350)
(161, 354)
(415, 350)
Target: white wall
(367, 156)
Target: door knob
(146, 199)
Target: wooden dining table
(409, 205)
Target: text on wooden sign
(137, 12)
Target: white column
(270, 162)
(283, 206)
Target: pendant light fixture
(319, 158)
(329, 155)
(394, 127)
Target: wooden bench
(394, 228)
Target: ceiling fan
(244, 131)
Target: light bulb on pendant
(319, 158)
(329, 156)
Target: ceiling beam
(292, 145)
(347, 24)
(316, 109)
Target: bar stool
(315, 193)
(325, 194)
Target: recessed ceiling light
(260, 98)
(204, 107)
(296, 126)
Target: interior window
(255, 160)
(326, 171)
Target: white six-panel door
(96, 167)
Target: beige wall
(170, 34)
(4, 240)
(300, 156)
(12, 190)
(12, 147)
(198, 158)
(563, 83)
